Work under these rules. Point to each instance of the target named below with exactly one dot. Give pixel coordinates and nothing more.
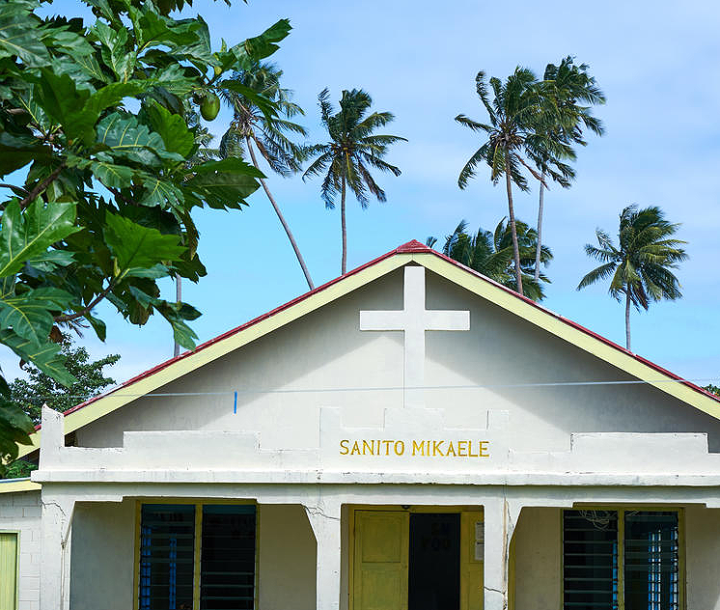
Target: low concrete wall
(20, 512)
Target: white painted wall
(102, 556)
(287, 556)
(326, 349)
(538, 559)
(702, 541)
(20, 512)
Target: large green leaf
(27, 235)
(153, 29)
(246, 54)
(125, 137)
(175, 313)
(111, 174)
(19, 37)
(225, 183)
(172, 129)
(46, 356)
(158, 192)
(135, 246)
(29, 314)
(64, 103)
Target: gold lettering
(355, 449)
(484, 449)
(344, 447)
(369, 446)
(437, 448)
(418, 448)
(462, 449)
(451, 449)
(401, 449)
(387, 447)
(470, 453)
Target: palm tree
(639, 266)
(492, 254)
(352, 151)
(518, 121)
(259, 103)
(565, 88)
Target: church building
(409, 436)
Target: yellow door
(380, 567)
(472, 543)
(8, 571)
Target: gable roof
(411, 252)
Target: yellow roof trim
(11, 486)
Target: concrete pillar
(325, 519)
(500, 516)
(57, 514)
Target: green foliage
(353, 149)
(492, 254)
(38, 389)
(713, 389)
(96, 118)
(639, 267)
(518, 131)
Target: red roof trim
(410, 247)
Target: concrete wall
(538, 559)
(102, 556)
(702, 543)
(20, 512)
(287, 556)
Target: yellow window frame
(621, 509)
(420, 508)
(198, 503)
(16, 534)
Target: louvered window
(621, 560)
(196, 557)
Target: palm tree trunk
(513, 229)
(627, 320)
(539, 227)
(282, 219)
(178, 299)
(343, 225)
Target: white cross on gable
(414, 320)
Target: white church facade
(410, 436)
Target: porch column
(500, 519)
(325, 519)
(54, 552)
(57, 511)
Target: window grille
(621, 560)
(179, 572)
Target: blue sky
(658, 65)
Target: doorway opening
(434, 562)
